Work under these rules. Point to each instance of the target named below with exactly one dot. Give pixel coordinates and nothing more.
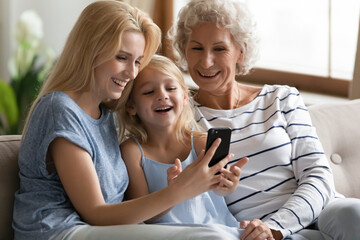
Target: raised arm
(79, 178)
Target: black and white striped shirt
(287, 181)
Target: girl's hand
(230, 178)
(197, 177)
(258, 230)
(174, 171)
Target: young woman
(72, 176)
(159, 119)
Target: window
(311, 37)
(307, 44)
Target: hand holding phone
(223, 150)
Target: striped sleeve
(311, 171)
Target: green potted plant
(8, 108)
(28, 68)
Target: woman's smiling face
(112, 76)
(211, 56)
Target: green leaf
(26, 90)
(8, 104)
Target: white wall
(4, 39)
(58, 17)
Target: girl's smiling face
(157, 99)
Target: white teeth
(207, 75)
(121, 83)
(163, 109)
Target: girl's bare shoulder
(130, 149)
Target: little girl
(158, 117)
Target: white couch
(338, 127)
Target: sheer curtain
(310, 37)
(354, 91)
(161, 12)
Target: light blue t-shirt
(206, 208)
(42, 208)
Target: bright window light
(311, 37)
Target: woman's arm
(311, 170)
(79, 178)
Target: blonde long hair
(132, 125)
(94, 39)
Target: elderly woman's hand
(258, 230)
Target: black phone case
(223, 149)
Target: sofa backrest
(338, 127)
(9, 181)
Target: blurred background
(311, 45)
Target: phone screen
(223, 149)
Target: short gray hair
(231, 14)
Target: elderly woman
(287, 185)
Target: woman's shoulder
(58, 101)
(63, 113)
(278, 90)
(282, 93)
(286, 96)
(51, 105)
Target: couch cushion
(338, 127)
(9, 181)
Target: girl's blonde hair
(230, 14)
(132, 125)
(94, 39)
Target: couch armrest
(9, 181)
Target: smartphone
(223, 150)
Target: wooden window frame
(303, 82)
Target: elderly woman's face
(212, 55)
